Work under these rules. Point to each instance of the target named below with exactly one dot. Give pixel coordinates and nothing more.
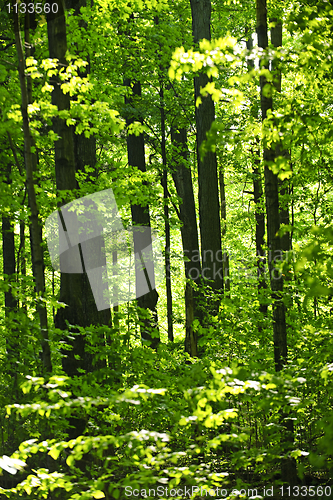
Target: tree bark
(183, 181)
(21, 256)
(70, 284)
(166, 218)
(9, 262)
(8, 252)
(9, 270)
(37, 249)
(288, 467)
(141, 217)
(75, 289)
(276, 39)
(259, 209)
(224, 230)
(210, 229)
(272, 205)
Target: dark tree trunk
(284, 216)
(9, 270)
(115, 293)
(141, 217)
(272, 207)
(276, 39)
(183, 181)
(37, 249)
(29, 24)
(166, 218)
(21, 256)
(8, 251)
(21, 262)
(288, 469)
(70, 284)
(288, 465)
(224, 229)
(75, 289)
(258, 208)
(210, 229)
(260, 233)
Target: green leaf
(54, 452)
(100, 494)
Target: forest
(166, 287)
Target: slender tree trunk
(258, 208)
(37, 249)
(29, 24)
(210, 229)
(166, 218)
(9, 270)
(21, 255)
(141, 217)
(8, 251)
(166, 203)
(288, 471)
(272, 206)
(224, 229)
(260, 233)
(288, 466)
(191, 340)
(183, 181)
(276, 39)
(22, 263)
(115, 293)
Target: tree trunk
(260, 233)
(272, 206)
(183, 181)
(288, 469)
(9, 270)
(276, 39)
(259, 209)
(166, 218)
(21, 256)
(224, 229)
(210, 229)
(22, 263)
(288, 465)
(71, 284)
(8, 251)
(141, 217)
(9, 265)
(75, 289)
(115, 293)
(37, 250)
(70, 156)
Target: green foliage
(194, 428)
(162, 419)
